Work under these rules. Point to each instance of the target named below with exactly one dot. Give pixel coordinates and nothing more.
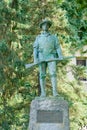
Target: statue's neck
(45, 32)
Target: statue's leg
(42, 69)
(52, 72)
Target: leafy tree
(19, 25)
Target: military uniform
(46, 47)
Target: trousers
(52, 72)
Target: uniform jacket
(45, 47)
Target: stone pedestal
(49, 114)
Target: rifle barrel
(55, 59)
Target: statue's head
(45, 24)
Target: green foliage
(74, 92)
(19, 25)
(79, 72)
(77, 22)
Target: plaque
(49, 116)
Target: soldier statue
(46, 47)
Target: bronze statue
(46, 47)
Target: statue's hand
(35, 61)
(61, 57)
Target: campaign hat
(45, 21)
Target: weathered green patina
(46, 47)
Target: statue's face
(45, 27)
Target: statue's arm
(35, 51)
(58, 48)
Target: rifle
(50, 60)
